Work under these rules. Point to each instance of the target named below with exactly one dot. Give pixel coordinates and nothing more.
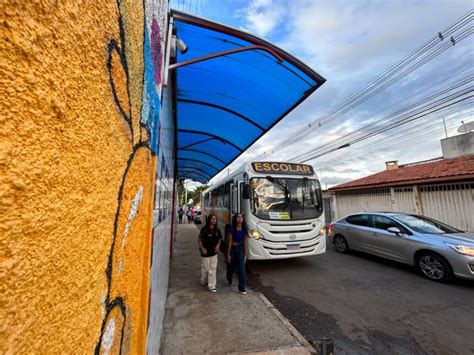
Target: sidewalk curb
(287, 323)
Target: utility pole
(185, 192)
(445, 130)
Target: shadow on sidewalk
(198, 321)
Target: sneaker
(213, 290)
(243, 292)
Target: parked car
(437, 250)
(197, 217)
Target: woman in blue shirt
(237, 247)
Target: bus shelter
(231, 88)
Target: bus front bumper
(264, 249)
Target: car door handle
(374, 233)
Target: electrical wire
(400, 116)
(358, 97)
(389, 128)
(398, 138)
(389, 77)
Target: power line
(399, 138)
(409, 130)
(371, 89)
(392, 75)
(459, 99)
(372, 152)
(346, 159)
(399, 117)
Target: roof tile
(446, 168)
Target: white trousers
(208, 271)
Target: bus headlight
(254, 234)
(322, 231)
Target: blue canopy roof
(226, 101)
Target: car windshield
(286, 199)
(425, 225)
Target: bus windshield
(286, 199)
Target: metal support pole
(445, 130)
(224, 53)
(185, 192)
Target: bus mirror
(245, 191)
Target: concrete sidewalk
(198, 321)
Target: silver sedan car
(437, 250)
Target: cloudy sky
(350, 43)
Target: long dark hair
(207, 226)
(234, 222)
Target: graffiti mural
(124, 326)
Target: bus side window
(235, 197)
(214, 198)
(226, 203)
(220, 196)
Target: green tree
(196, 194)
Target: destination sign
(282, 168)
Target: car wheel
(341, 244)
(434, 267)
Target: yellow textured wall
(76, 178)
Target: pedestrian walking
(180, 215)
(237, 249)
(209, 242)
(189, 214)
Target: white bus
(281, 203)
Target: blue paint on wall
(151, 103)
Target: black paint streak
(117, 302)
(111, 47)
(117, 215)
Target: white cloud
(351, 43)
(262, 16)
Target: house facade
(442, 189)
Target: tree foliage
(195, 195)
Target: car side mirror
(245, 191)
(395, 231)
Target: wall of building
(163, 224)
(458, 146)
(80, 155)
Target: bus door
(242, 202)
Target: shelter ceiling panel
(210, 158)
(217, 122)
(225, 101)
(203, 167)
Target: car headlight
(462, 249)
(254, 234)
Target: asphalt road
(369, 305)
